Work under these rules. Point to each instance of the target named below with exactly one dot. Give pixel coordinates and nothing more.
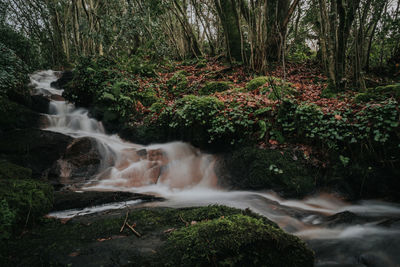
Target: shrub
(23, 47)
(13, 73)
(178, 83)
(277, 89)
(253, 168)
(89, 77)
(236, 240)
(204, 120)
(212, 87)
(12, 171)
(27, 198)
(7, 220)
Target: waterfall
(185, 177)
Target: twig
(133, 230)
(185, 222)
(126, 218)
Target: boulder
(33, 148)
(81, 159)
(17, 116)
(40, 104)
(65, 78)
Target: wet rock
(345, 217)
(57, 98)
(142, 153)
(65, 200)
(33, 148)
(65, 78)
(81, 159)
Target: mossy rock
(29, 199)
(236, 240)
(275, 88)
(178, 83)
(379, 93)
(96, 239)
(213, 87)
(256, 83)
(253, 168)
(202, 63)
(12, 171)
(16, 116)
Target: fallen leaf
(74, 254)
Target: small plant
(178, 84)
(213, 87)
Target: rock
(57, 98)
(33, 148)
(65, 200)
(259, 169)
(16, 116)
(81, 159)
(40, 104)
(65, 78)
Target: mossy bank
(214, 235)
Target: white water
(185, 177)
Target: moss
(7, 220)
(202, 63)
(253, 168)
(379, 93)
(275, 88)
(236, 240)
(233, 236)
(178, 83)
(256, 83)
(28, 198)
(212, 87)
(12, 171)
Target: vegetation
(251, 237)
(294, 96)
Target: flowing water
(366, 233)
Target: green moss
(202, 63)
(178, 83)
(225, 235)
(12, 171)
(236, 240)
(256, 83)
(29, 199)
(7, 220)
(253, 168)
(212, 87)
(275, 88)
(379, 93)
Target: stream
(366, 233)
